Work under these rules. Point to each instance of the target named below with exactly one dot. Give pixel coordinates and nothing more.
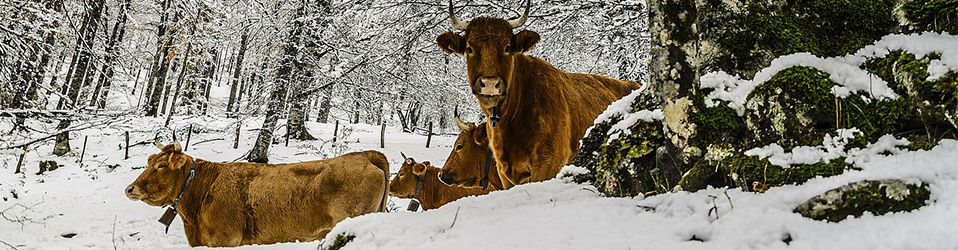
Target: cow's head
(404, 184)
(490, 48)
(466, 162)
(163, 177)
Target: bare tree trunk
(244, 41)
(62, 145)
(179, 82)
(163, 57)
(323, 114)
(297, 111)
(66, 80)
(106, 79)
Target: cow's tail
(379, 159)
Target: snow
(845, 70)
(622, 108)
(559, 214)
(87, 199)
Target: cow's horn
(462, 125)
(515, 23)
(158, 144)
(177, 147)
(454, 21)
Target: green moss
(933, 15)
(341, 241)
(717, 124)
(874, 198)
(752, 169)
(821, 27)
(805, 95)
(924, 106)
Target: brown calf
(466, 164)
(433, 193)
(232, 204)
(544, 111)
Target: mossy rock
(340, 241)
(878, 197)
(935, 102)
(757, 174)
(766, 30)
(795, 108)
(46, 166)
(625, 166)
(932, 15)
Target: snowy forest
(355, 61)
(363, 124)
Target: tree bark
(244, 41)
(179, 82)
(106, 79)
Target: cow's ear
(451, 43)
(480, 137)
(177, 160)
(525, 40)
(419, 169)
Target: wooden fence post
(382, 137)
(188, 135)
(20, 162)
(429, 136)
(236, 142)
(83, 152)
(126, 153)
(336, 131)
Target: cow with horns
(541, 111)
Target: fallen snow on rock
(845, 71)
(560, 214)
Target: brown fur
(545, 111)
(466, 163)
(434, 194)
(232, 204)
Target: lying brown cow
(466, 164)
(432, 194)
(232, 204)
(543, 110)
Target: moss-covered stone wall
(697, 145)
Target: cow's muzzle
(133, 193)
(491, 86)
(446, 178)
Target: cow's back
(303, 201)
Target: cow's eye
(161, 166)
(508, 48)
(459, 147)
(469, 50)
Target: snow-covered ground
(87, 199)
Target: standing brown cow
(431, 193)
(232, 204)
(543, 110)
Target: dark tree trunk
(106, 79)
(244, 41)
(179, 82)
(323, 115)
(163, 58)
